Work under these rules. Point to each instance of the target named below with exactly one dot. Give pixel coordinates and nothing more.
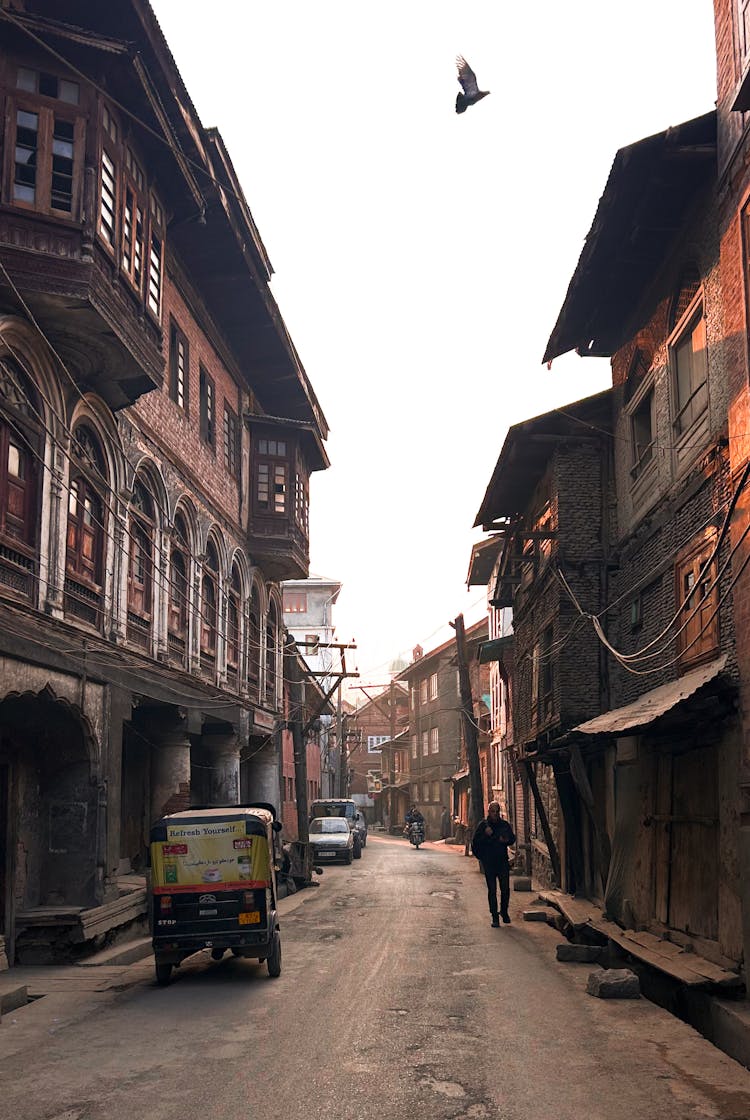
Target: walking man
(490, 845)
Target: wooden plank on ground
(578, 911)
(658, 944)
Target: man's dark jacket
(493, 850)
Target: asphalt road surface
(397, 1001)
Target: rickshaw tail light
(248, 898)
(166, 902)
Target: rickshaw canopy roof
(258, 821)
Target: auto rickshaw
(213, 886)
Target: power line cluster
(697, 593)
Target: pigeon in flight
(468, 79)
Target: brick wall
(177, 431)
(575, 481)
(680, 492)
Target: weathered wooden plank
(658, 944)
(114, 908)
(578, 911)
(49, 915)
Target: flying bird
(468, 79)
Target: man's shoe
(506, 919)
(495, 923)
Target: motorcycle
(416, 833)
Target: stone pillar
(216, 769)
(170, 769)
(260, 771)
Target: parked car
(343, 807)
(331, 838)
(360, 825)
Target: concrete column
(260, 771)
(216, 769)
(170, 769)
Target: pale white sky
(422, 257)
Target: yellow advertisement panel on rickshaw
(214, 854)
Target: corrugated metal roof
(653, 704)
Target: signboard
(217, 854)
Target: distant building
(381, 715)
(437, 751)
(307, 606)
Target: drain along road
(397, 1001)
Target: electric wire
(164, 577)
(643, 654)
(105, 483)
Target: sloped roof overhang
(211, 227)
(484, 555)
(650, 190)
(527, 450)
(494, 649)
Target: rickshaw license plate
(250, 918)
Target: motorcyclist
(413, 816)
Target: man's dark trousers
(492, 875)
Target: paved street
(397, 1000)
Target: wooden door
(694, 844)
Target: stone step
(126, 953)
(536, 915)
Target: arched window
(209, 606)
(179, 568)
(84, 557)
(20, 453)
(253, 643)
(141, 567)
(234, 614)
(271, 643)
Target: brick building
(655, 775)
(437, 749)
(308, 616)
(379, 717)
(732, 230)
(507, 782)
(157, 433)
(550, 498)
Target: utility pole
(342, 745)
(470, 727)
(295, 722)
(391, 753)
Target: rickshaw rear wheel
(273, 960)
(163, 972)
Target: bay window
(132, 221)
(45, 148)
